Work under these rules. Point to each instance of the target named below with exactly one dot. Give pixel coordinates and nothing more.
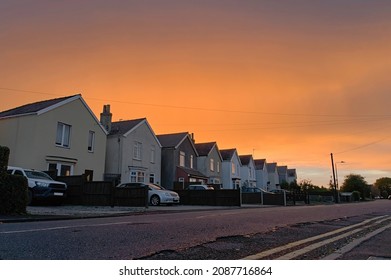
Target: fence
(321, 197)
(210, 197)
(263, 198)
(102, 193)
(177, 186)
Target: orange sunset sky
(290, 81)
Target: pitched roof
(172, 140)
(271, 167)
(292, 172)
(122, 127)
(227, 154)
(245, 159)
(41, 107)
(204, 149)
(259, 163)
(34, 108)
(193, 172)
(282, 169)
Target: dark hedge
(13, 189)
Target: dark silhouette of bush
(13, 189)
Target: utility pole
(335, 182)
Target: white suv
(40, 185)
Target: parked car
(41, 187)
(199, 187)
(156, 194)
(280, 191)
(254, 190)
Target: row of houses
(64, 136)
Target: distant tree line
(354, 183)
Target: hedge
(13, 195)
(13, 189)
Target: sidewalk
(39, 213)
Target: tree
(384, 186)
(356, 182)
(306, 185)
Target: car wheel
(155, 200)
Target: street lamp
(336, 173)
(335, 177)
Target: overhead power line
(206, 109)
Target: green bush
(13, 195)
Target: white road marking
(264, 254)
(65, 227)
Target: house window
(137, 177)
(137, 150)
(61, 169)
(153, 154)
(191, 161)
(182, 159)
(91, 141)
(63, 135)
(212, 164)
(218, 167)
(233, 167)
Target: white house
(133, 152)
(273, 176)
(61, 135)
(247, 171)
(209, 161)
(231, 169)
(261, 174)
(292, 175)
(282, 174)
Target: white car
(156, 194)
(40, 185)
(199, 187)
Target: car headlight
(42, 184)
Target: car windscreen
(37, 175)
(156, 187)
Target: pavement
(62, 212)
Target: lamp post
(336, 173)
(335, 182)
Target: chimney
(105, 118)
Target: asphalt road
(215, 234)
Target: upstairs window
(91, 141)
(63, 135)
(233, 167)
(212, 164)
(182, 159)
(191, 161)
(137, 150)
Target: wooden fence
(102, 193)
(210, 197)
(263, 198)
